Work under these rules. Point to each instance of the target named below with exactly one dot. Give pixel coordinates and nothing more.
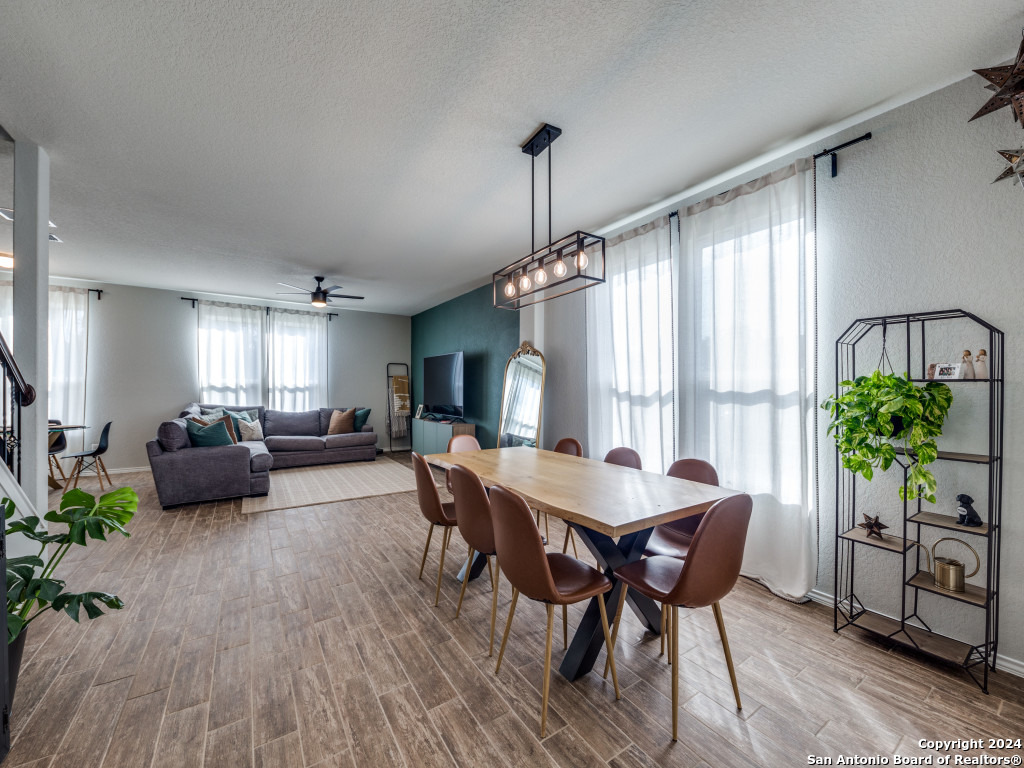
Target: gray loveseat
(184, 474)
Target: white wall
(143, 364)
(912, 223)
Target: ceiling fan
(319, 296)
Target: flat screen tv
(443, 385)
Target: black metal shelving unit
(911, 629)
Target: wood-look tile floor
(303, 638)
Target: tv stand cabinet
(433, 436)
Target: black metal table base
(610, 554)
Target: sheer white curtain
(746, 373)
(631, 348)
(297, 360)
(231, 353)
(68, 338)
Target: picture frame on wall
(948, 371)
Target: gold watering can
(949, 573)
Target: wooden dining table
(613, 510)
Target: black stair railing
(17, 393)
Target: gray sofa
(184, 474)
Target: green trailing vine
(32, 588)
(879, 413)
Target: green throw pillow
(214, 434)
(212, 414)
(361, 416)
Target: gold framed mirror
(522, 398)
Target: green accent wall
(487, 336)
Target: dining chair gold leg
(440, 568)
(615, 625)
(99, 474)
(546, 687)
(675, 672)
(547, 527)
(565, 627)
(426, 548)
(728, 655)
(670, 639)
(663, 628)
(494, 602)
(465, 581)
(60, 468)
(609, 641)
(508, 626)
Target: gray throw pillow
(250, 430)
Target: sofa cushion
(250, 430)
(351, 439)
(325, 418)
(260, 459)
(293, 442)
(209, 435)
(362, 414)
(225, 419)
(342, 422)
(288, 423)
(172, 435)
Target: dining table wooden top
(604, 497)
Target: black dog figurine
(968, 516)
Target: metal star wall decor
(1016, 167)
(1008, 84)
(873, 526)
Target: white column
(31, 307)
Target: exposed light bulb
(559, 268)
(6, 261)
(510, 288)
(540, 276)
(582, 260)
(524, 282)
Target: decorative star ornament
(1008, 84)
(1016, 167)
(873, 526)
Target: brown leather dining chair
(708, 574)
(673, 539)
(570, 446)
(624, 457)
(459, 444)
(437, 514)
(550, 578)
(473, 513)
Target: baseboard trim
(1004, 663)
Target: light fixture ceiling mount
(563, 266)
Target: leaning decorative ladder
(910, 628)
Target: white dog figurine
(966, 366)
(981, 364)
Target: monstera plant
(32, 585)
(880, 413)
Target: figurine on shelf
(966, 514)
(981, 364)
(966, 366)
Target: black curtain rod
(328, 315)
(832, 152)
(98, 292)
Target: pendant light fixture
(563, 266)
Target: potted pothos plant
(883, 412)
(32, 585)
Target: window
(249, 355)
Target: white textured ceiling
(225, 145)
